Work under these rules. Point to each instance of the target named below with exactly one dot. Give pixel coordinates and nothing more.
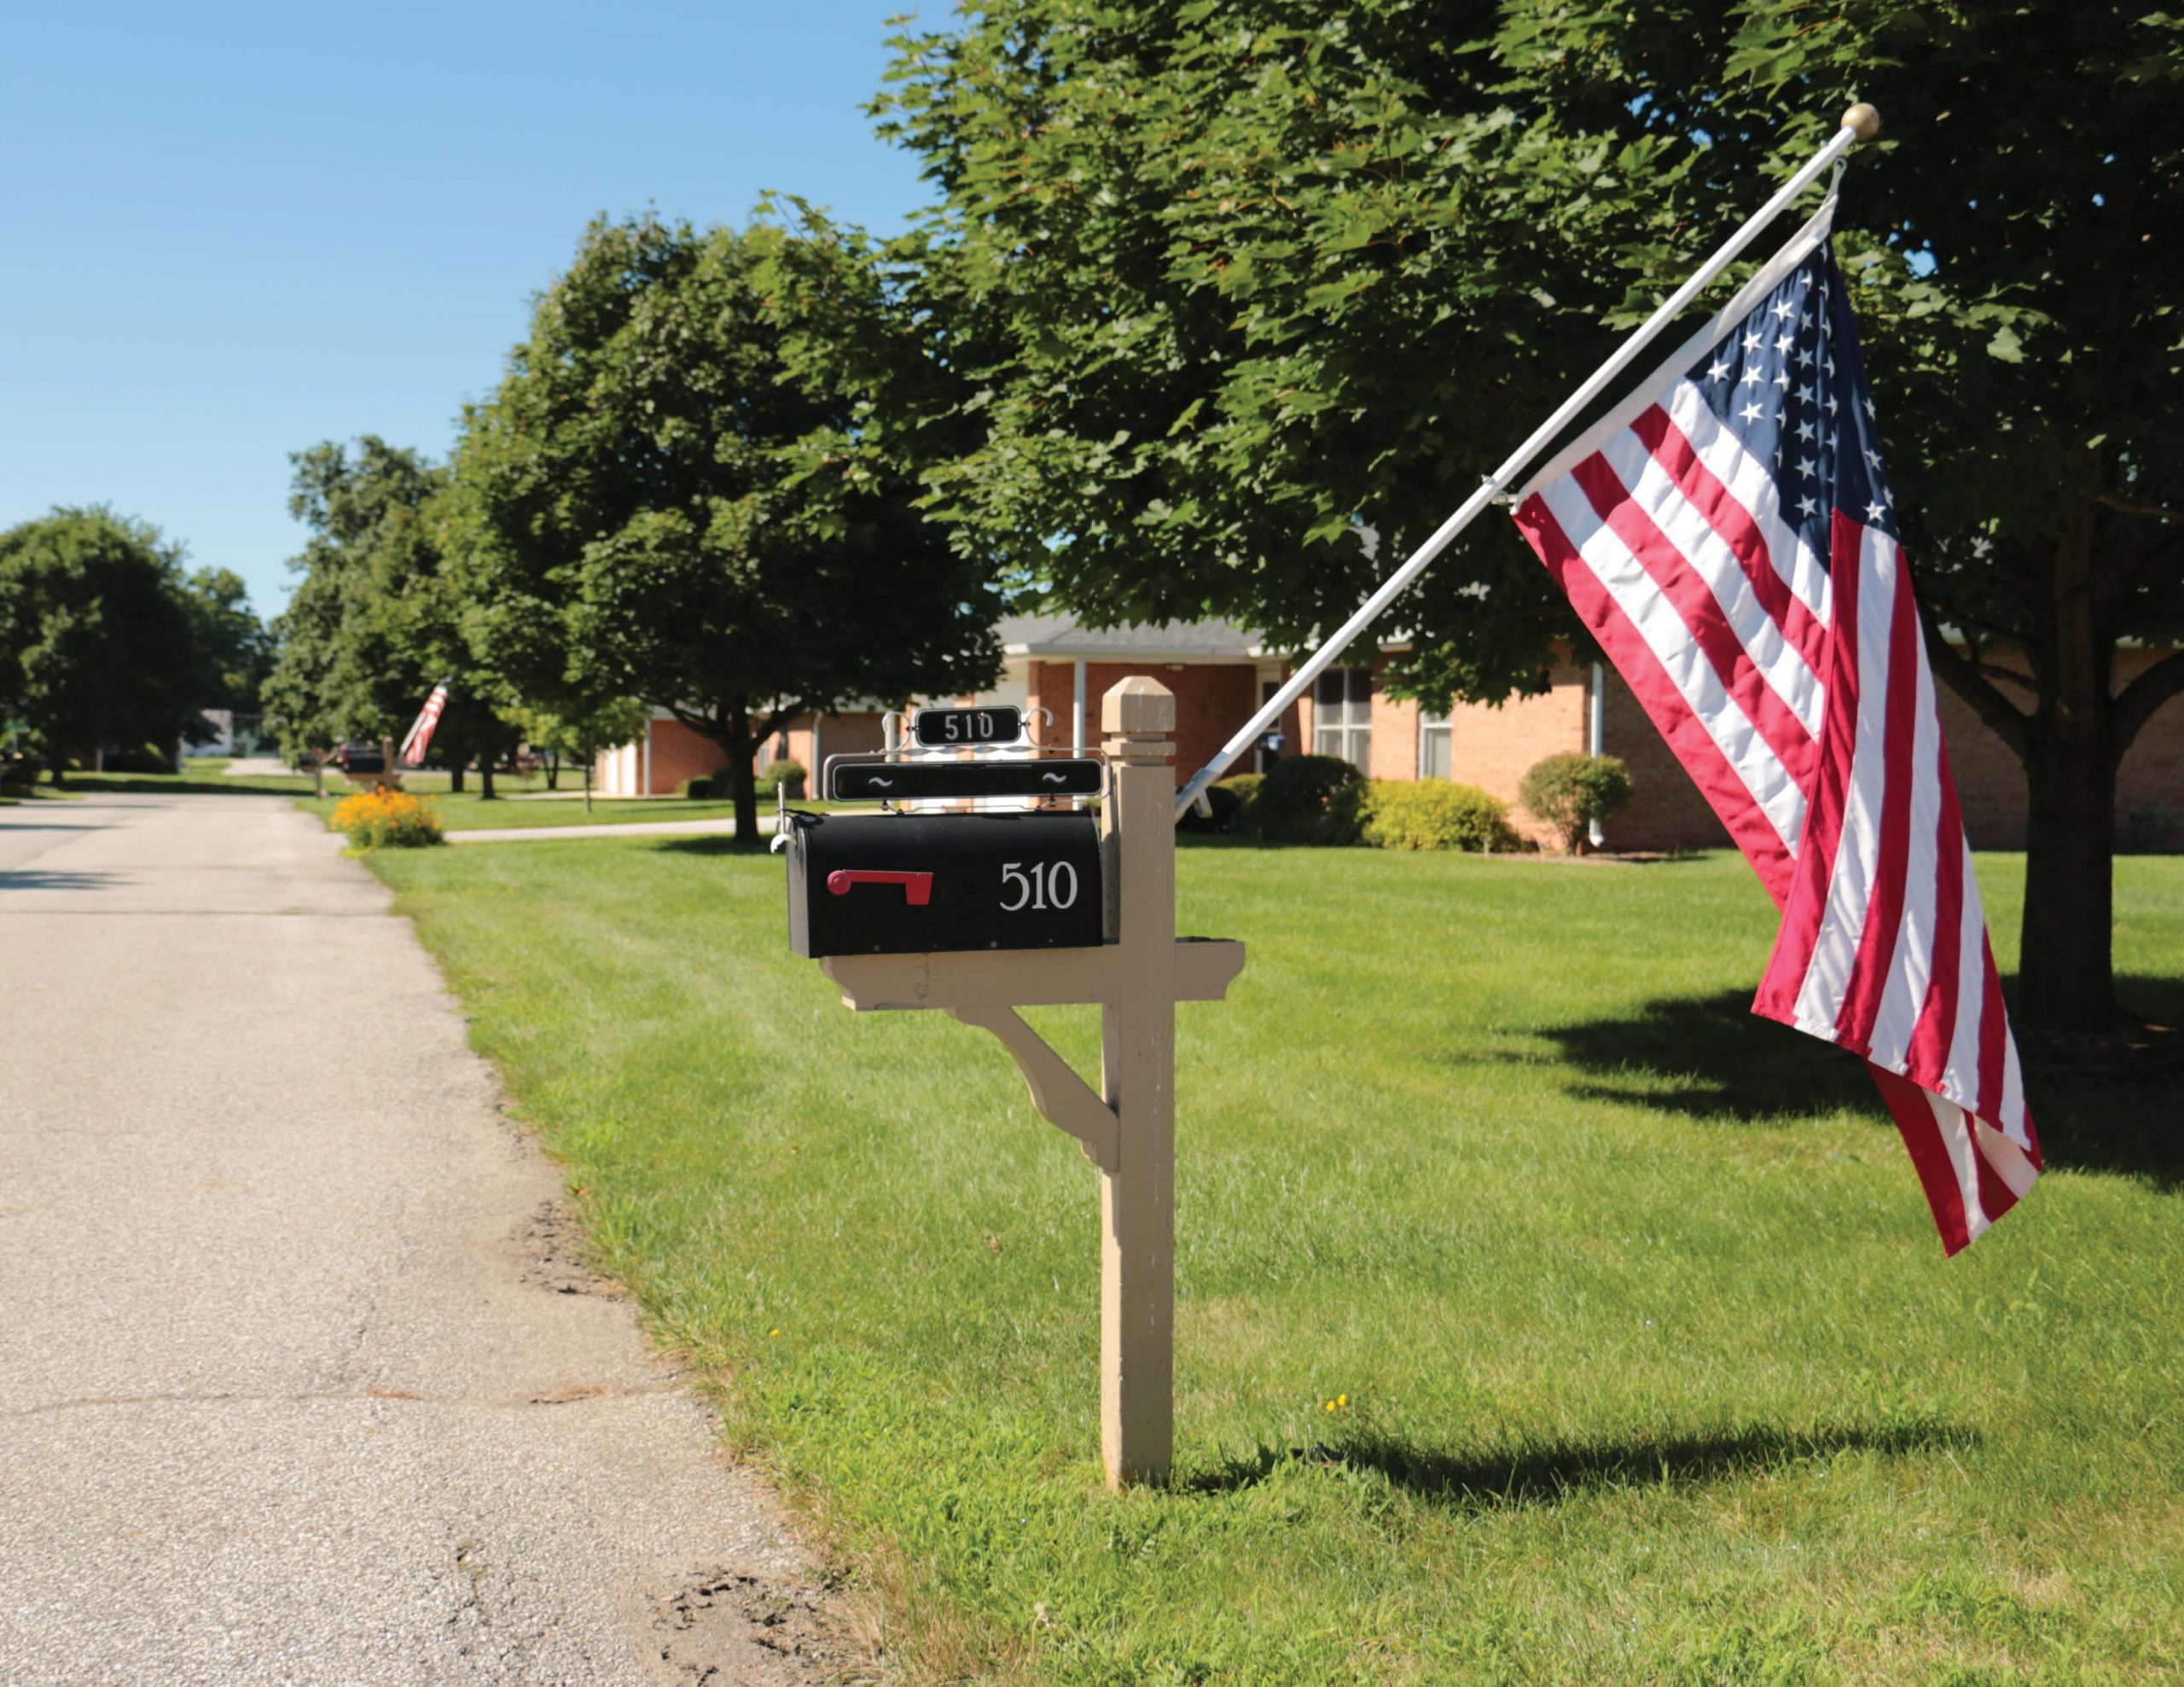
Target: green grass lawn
(469, 812)
(1654, 1370)
(198, 776)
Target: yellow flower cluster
(382, 820)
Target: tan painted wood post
(1137, 1071)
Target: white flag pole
(1860, 123)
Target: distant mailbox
(919, 884)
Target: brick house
(1221, 673)
(1492, 747)
(657, 764)
(1218, 673)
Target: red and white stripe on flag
(419, 737)
(1728, 534)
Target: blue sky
(235, 230)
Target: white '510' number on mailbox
(1046, 884)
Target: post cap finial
(1138, 707)
(1862, 120)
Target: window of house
(1341, 716)
(1433, 744)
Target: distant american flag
(1727, 535)
(419, 738)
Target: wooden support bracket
(985, 987)
(1061, 1097)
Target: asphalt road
(299, 1378)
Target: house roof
(1059, 637)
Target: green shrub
(141, 758)
(1349, 806)
(719, 785)
(1309, 799)
(1570, 791)
(1228, 809)
(1245, 787)
(1433, 813)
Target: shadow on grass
(711, 843)
(93, 785)
(1547, 1475)
(2110, 1107)
(1711, 1058)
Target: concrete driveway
(300, 1379)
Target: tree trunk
(57, 781)
(457, 767)
(742, 754)
(587, 787)
(554, 770)
(2067, 979)
(731, 728)
(485, 776)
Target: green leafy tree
(236, 645)
(1246, 295)
(98, 637)
(684, 491)
(585, 737)
(1250, 295)
(375, 621)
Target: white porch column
(1597, 736)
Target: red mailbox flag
(419, 738)
(1728, 536)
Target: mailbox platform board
(919, 884)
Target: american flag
(419, 738)
(1728, 536)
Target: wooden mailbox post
(1128, 1129)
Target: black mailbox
(915, 884)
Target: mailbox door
(915, 884)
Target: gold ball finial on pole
(1862, 120)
